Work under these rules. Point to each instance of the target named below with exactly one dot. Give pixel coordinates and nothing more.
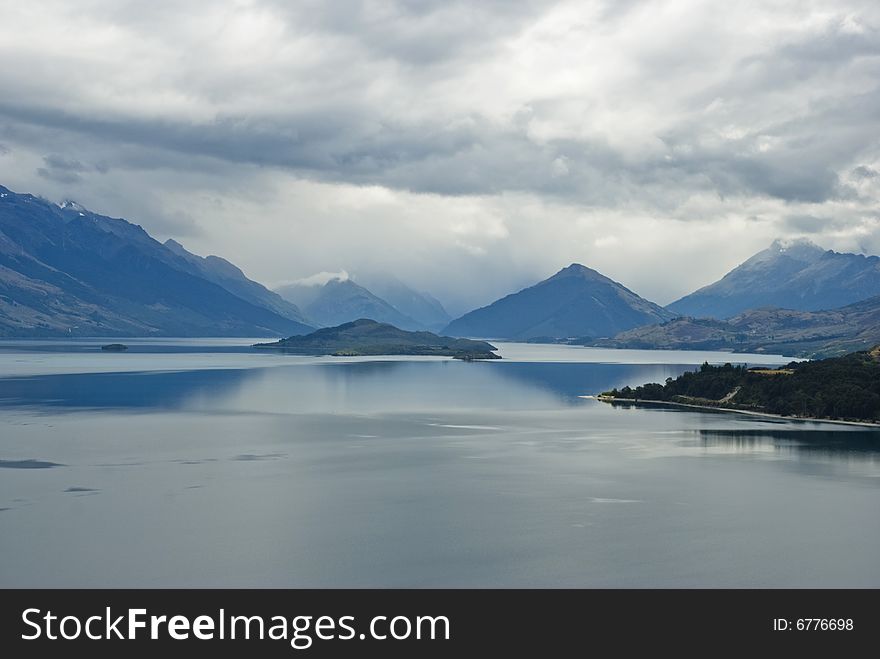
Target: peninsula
(838, 389)
(366, 337)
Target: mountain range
(67, 271)
(342, 300)
(772, 330)
(422, 307)
(575, 302)
(793, 298)
(229, 276)
(795, 275)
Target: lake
(205, 463)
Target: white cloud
(469, 148)
(318, 279)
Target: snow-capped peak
(797, 248)
(69, 204)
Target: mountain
(229, 276)
(341, 300)
(772, 330)
(792, 275)
(67, 271)
(421, 307)
(576, 301)
(367, 337)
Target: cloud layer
(467, 147)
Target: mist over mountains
(341, 300)
(422, 307)
(229, 276)
(793, 297)
(291, 159)
(65, 270)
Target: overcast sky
(469, 148)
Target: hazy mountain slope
(421, 307)
(229, 276)
(342, 301)
(793, 275)
(773, 330)
(65, 270)
(576, 301)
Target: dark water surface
(200, 463)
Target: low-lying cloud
(466, 147)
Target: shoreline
(612, 399)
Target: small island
(366, 337)
(836, 389)
(114, 347)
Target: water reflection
(854, 440)
(149, 346)
(568, 381)
(119, 390)
(426, 387)
(353, 385)
(418, 473)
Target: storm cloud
(466, 147)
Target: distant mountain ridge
(575, 302)
(67, 271)
(342, 300)
(795, 275)
(229, 276)
(779, 331)
(422, 307)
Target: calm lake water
(204, 463)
